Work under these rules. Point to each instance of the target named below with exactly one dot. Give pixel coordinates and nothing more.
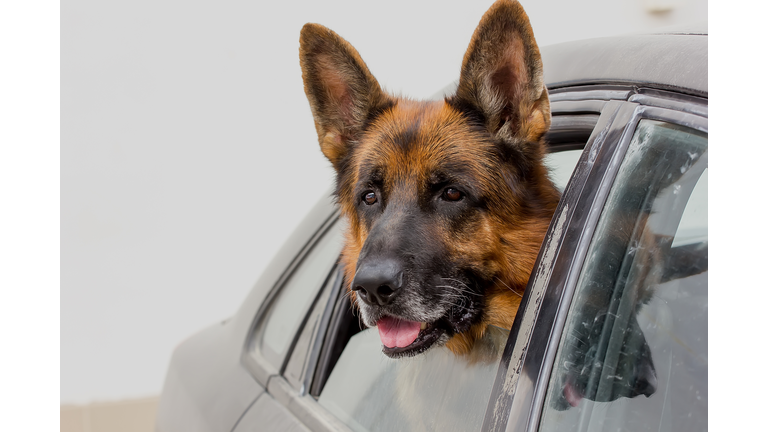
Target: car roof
(670, 58)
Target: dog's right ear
(502, 78)
(343, 95)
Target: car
(612, 329)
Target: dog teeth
(423, 325)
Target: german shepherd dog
(447, 201)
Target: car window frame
(517, 400)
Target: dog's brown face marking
(447, 201)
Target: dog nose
(646, 382)
(378, 282)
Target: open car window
(633, 355)
(561, 165)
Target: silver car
(628, 147)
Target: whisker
(458, 281)
(463, 290)
(509, 287)
(347, 294)
(360, 322)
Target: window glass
(434, 391)
(561, 166)
(633, 355)
(693, 224)
(297, 294)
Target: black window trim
(545, 309)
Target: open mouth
(403, 338)
(571, 394)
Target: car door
(614, 327)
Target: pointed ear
(342, 93)
(501, 76)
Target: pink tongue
(571, 394)
(397, 333)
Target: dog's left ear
(342, 92)
(502, 78)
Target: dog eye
(452, 194)
(369, 197)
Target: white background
(188, 152)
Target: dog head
(447, 201)
(592, 367)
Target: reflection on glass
(634, 350)
(434, 391)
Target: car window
(561, 165)
(296, 296)
(434, 391)
(633, 355)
